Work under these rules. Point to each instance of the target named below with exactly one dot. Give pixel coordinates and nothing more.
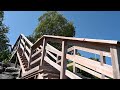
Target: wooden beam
(115, 53)
(21, 46)
(27, 40)
(30, 71)
(38, 59)
(27, 49)
(89, 71)
(23, 43)
(51, 55)
(30, 56)
(94, 65)
(55, 65)
(74, 69)
(102, 60)
(22, 67)
(95, 51)
(39, 51)
(63, 60)
(52, 49)
(27, 57)
(95, 47)
(82, 39)
(71, 75)
(43, 51)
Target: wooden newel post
(115, 56)
(43, 51)
(63, 60)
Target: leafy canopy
(4, 53)
(54, 23)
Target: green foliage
(5, 55)
(31, 38)
(70, 68)
(4, 52)
(54, 23)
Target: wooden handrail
(104, 48)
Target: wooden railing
(41, 51)
(23, 43)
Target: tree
(4, 51)
(54, 23)
(31, 38)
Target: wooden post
(63, 60)
(20, 74)
(74, 68)
(43, 51)
(16, 62)
(103, 61)
(115, 56)
(24, 46)
(30, 58)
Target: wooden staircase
(47, 71)
(43, 61)
(23, 59)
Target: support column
(103, 61)
(63, 60)
(74, 68)
(43, 51)
(115, 55)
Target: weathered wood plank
(58, 67)
(89, 71)
(51, 55)
(93, 51)
(23, 43)
(22, 67)
(30, 71)
(53, 50)
(27, 49)
(27, 40)
(36, 53)
(38, 59)
(82, 39)
(94, 65)
(21, 47)
(27, 57)
(71, 75)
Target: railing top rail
(31, 44)
(84, 39)
(113, 42)
(26, 40)
(15, 43)
(101, 41)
